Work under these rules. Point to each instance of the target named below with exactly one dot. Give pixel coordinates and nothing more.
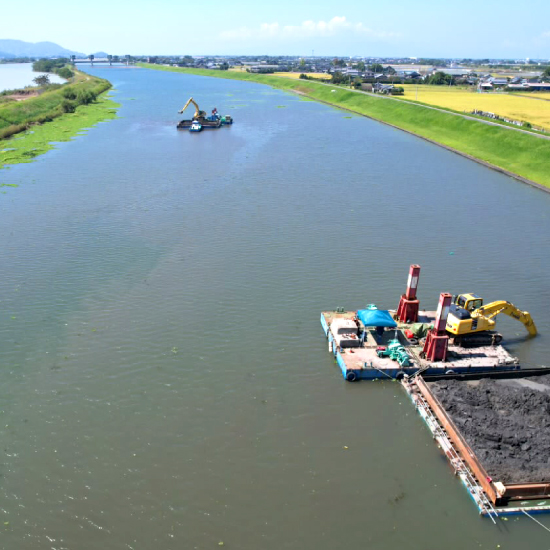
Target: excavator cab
(469, 302)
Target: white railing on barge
(461, 469)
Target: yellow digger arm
(190, 100)
(495, 308)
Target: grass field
(518, 153)
(511, 106)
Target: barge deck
(358, 359)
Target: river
(19, 75)
(165, 379)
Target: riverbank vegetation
(66, 108)
(511, 151)
(57, 66)
(26, 146)
(51, 102)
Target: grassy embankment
(28, 128)
(514, 152)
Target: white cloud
(308, 29)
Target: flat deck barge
(358, 359)
(206, 124)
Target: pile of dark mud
(505, 422)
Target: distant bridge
(100, 60)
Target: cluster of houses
(391, 74)
(485, 82)
(386, 72)
(368, 74)
(518, 84)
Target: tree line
(57, 66)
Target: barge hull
(206, 124)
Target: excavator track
(476, 340)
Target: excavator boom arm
(197, 110)
(495, 308)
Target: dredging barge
(509, 474)
(200, 121)
(371, 344)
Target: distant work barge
(200, 121)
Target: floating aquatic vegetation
(26, 147)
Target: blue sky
(423, 28)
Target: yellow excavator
(200, 119)
(470, 323)
(198, 113)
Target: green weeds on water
(27, 146)
(29, 128)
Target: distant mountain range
(17, 48)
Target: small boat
(226, 120)
(195, 127)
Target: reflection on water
(165, 380)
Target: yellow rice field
(316, 76)
(511, 106)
